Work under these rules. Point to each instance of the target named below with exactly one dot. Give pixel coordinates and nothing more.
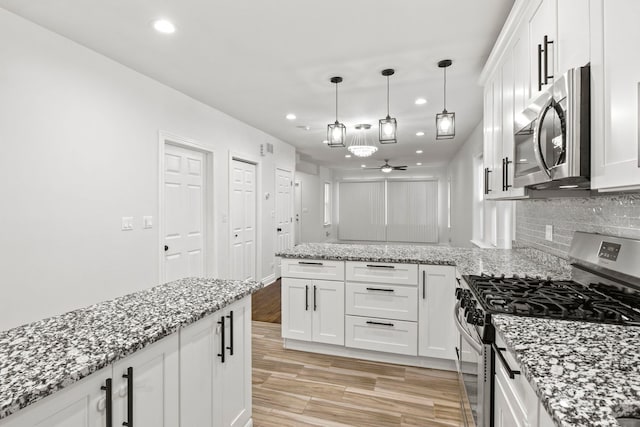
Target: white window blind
(361, 211)
(412, 211)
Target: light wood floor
(293, 388)
(265, 304)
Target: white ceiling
(258, 60)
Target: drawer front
(380, 272)
(389, 301)
(391, 336)
(313, 269)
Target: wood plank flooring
(265, 304)
(293, 388)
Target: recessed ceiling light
(325, 142)
(291, 116)
(421, 101)
(420, 133)
(348, 156)
(363, 166)
(418, 151)
(164, 26)
(418, 164)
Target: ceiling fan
(386, 168)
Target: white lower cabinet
(391, 336)
(387, 301)
(313, 310)
(215, 390)
(436, 301)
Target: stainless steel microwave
(552, 138)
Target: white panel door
(155, 384)
(284, 206)
(328, 312)
(183, 213)
(436, 301)
(296, 308)
(243, 220)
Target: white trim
(269, 280)
(247, 158)
(376, 356)
(209, 256)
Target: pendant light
(336, 132)
(359, 145)
(445, 121)
(387, 126)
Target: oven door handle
(465, 334)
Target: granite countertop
(586, 374)
(523, 261)
(42, 357)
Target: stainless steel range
(605, 288)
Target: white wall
(461, 173)
(79, 138)
(312, 218)
(421, 172)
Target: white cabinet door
(233, 377)
(573, 34)
(489, 146)
(79, 405)
(198, 354)
(506, 412)
(437, 337)
(153, 377)
(615, 94)
(296, 308)
(328, 312)
(542, 23)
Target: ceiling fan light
(445, 125)
(388, 128)
(386, 168)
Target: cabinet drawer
(392, 336)
(390, 301)
(313, 269)
(382, 272)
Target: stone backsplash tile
(617, 215)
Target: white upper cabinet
(615, 88)
(542, 45)
(573, 35)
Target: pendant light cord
(336, 102)
(387, 96)
(445, 88)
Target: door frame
(246, 158)
(209, 255)
(278, 263)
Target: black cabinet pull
(424, 284)
(539, 67)
(306, 297)
(369, 322)
(547, 42)
(485, 181)
(380, 266)
(506, 174)
(315, 298)
(230, 348)
(129, 377)
(488, 181)
(380, 289)
(108, 399)
(222, 343)
(498, 351)
(309, 263)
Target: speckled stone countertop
(467, 260)
(42, 357)
(586, 374)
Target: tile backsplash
(617, 215)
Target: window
(327, 203)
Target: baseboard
(249, 423)
(270, 279)
(375, 356)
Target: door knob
(235, 235)
(166, 248)
(279, 229)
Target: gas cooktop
(555, 299)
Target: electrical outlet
(147, 222)
(548, 232)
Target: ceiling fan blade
(400, 168)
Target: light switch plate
(127, 223)
(147, 222)
(548, 232)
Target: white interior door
(284, 215)
(243, 220)
(183, 213)
(298, 211)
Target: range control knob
(459, 292)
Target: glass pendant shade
(445, 121)
(445, 125)
(359, 146)
(336, 134)
(388, 128)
